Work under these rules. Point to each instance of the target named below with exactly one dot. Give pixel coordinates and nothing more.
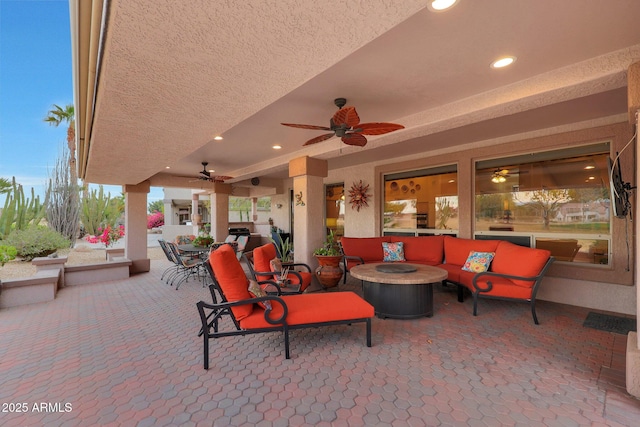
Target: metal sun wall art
(299, 201)
(358, 195)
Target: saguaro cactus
(20, 211)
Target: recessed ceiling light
(167, 167)
(503, 62)
(218, 138)
(212, 170)
(451, 181)
(440, 5)
(590, 167)
(277, 147)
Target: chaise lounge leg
(286, 343)
(368, 332)
(206, 349)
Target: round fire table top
(419, 274)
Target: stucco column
(220, 211)
(169, 218)
(135, 217)
(633, 344)
(195, 217)
(309, 230)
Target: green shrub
(36, 241)
(7, 253)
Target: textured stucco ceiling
(173, 74)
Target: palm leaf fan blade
(319, 139)
(377, 128)
(313, 127)
(354, 139)
(346, 115)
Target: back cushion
(423, 248)
(519, 261)
(231, 278)
(262, 257)
(368, 248)
(456, 250)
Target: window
(555, 200)
(334, 209)
(421, 202)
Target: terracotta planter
(329, 273)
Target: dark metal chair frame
(248, 258)
(211, 314)
(480, 292)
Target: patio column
(633, 345)
(135, 217)
(220, 211)
(254, 209)
(308, 220)
(195, 217)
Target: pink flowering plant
(109, 235)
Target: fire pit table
(399, 291)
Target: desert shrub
(36, 241)
(156, 219)
(7, 253)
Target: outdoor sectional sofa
(515, 272)
(231, 297)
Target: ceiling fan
(346, 125)
(500, 175)
(205, 175)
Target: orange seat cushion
(367, 248)
(232, 279)
(262, 256)
(504, 288)
(313, 308)
(456, 249)
(519, 261)
(422, 249)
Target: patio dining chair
(241, 245)
(187, 267)
(170, 272)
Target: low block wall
(117, 269)
(40, 287)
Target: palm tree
(5, 186)
(55, 117)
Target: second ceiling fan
(346, 125)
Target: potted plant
(329, 256)
(203, 241)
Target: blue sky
(35, 73)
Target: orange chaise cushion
(456, 249)
(519, 261)
(313, 308)
(231, 278)
(262, 256)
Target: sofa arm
(536, 279)
(348, 258)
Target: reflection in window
(421, 202)
(560, 199)
(334, 209)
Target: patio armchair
(260, 266)
(258, 313)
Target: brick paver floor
(127, 353)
